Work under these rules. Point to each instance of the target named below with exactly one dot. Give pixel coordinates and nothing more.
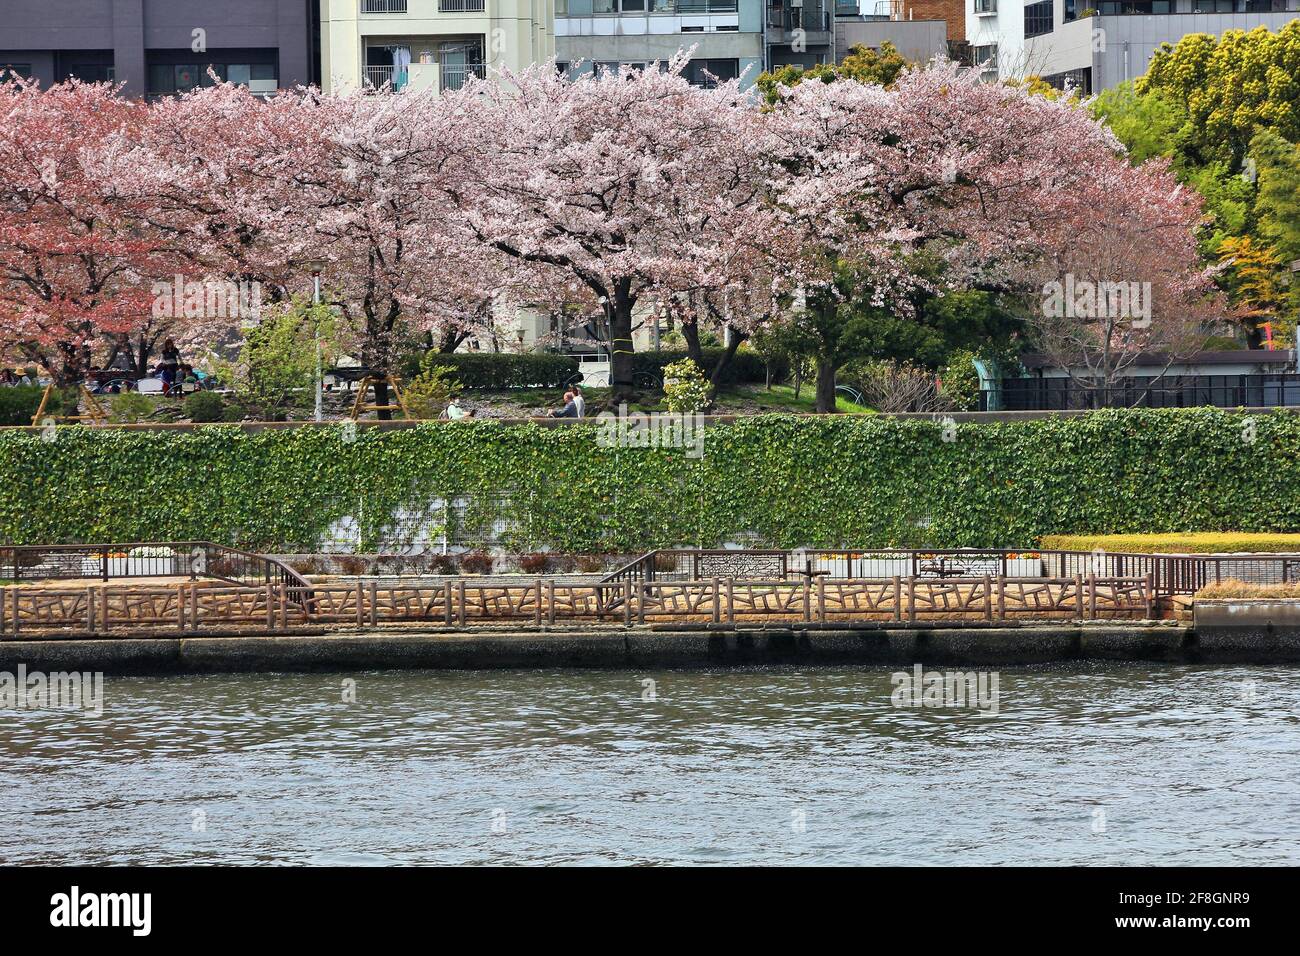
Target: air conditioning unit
(796, 4)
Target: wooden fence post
(374, 603)
(988, 598)
(284, 606)
(807, 601)
(361, 604)
(460, 600)
(90, 610)
(898, 598)
(447, 609)
(550, 600)
(270, 607)
(716, 601)
(731, 600)
(194, 607)
(1092, 596)
(1002, 598)
(911, 598)
(821, 600)
(1149, 596)
(4, 609)
(1078, 596)
(627, 606)
(180, 608)
(537, 610)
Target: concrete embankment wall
(642, 647)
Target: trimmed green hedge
(745, 366)
(503, 370)
(19, 403)
(784, 481)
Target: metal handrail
(198, 559)
(1171, 573)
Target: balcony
(454, 75)
(461, 6)
(383, 6)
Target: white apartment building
(436, 44)
(1098, 44)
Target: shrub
(897, 387)
(498, 370)
(1225, 542)
(19, 404)
(306, 566)
(429, 392)
(685, 388)
(131, 407)
(476, 562)
(442, 564)
(353, 565)
(961, 382)
(591, 563)
(539, 562)
(204, 407)
(665, 562)
(745, 366)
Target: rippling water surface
(1091, 765)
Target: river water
(1123, 765)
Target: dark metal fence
(1170, 573)
(173, 559)
(1281, 390)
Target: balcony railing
(383, 6)
(377, 76)
(460, 6)
(706, 6)
(454, 76)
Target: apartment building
(1097, 44)
(159, 47)
(727, 36)
(800, 33)
(919, 29)
(422, 44)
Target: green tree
(279, 357)
(861, 63)
(1233, 85)
(428, 393)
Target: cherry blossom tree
(77, 250)
(629, 183)
(986, 180)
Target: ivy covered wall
(823, 481)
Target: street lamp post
(317, 267)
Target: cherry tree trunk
(825, 385)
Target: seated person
(570, 409)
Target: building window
(709, 73)
(985, 57)
(1038, 18)
(1114, 7)
(167, 78)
